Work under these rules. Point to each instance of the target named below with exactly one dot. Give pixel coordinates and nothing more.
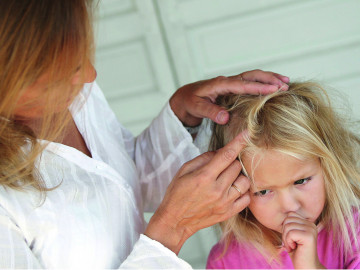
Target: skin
(193, 102)
(200, 194)
(288, 197)
(32, 115)
(36, 92)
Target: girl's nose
(289, 202)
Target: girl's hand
(300, 241)
(200, 195)
(193, 102)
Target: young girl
(302, 162)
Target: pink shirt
(245, 256)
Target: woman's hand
(300, 241)
(200, 195)
(193, 102)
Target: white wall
(149, 48)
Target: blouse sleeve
(150, 254)
(160, 151)
(354, 263)
(14, 250)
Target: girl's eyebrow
(265, 187)
(302, 176)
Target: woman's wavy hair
(38, 37)
(299, 122)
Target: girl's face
(284, 184)
(35, 93)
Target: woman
(74, 182)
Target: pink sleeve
(354, 261)
(213, 261)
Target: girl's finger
(294, 231)
(295, 219)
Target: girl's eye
(262, 192)
(302, 181)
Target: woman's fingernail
(286, 79)
(222, 117)
(283, 87)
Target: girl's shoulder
(235, 255)
(233, 247)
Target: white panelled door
(303, 39)
(131, 61)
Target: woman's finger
(224, 157)
(232, 85)
(239, 187)
(204, 108)
(283, 78)
(259, 88)
(231, 172)
(239, 205)
(195, 163)
(266, 77)
(195, 101)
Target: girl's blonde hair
(38, 37)
(299, 122)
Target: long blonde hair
(38, 37)
(299, 122)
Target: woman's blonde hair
(38, 37)
(299, 122)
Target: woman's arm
(150, 254)
(165, 145)
(199, 196)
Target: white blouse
(94, 218)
